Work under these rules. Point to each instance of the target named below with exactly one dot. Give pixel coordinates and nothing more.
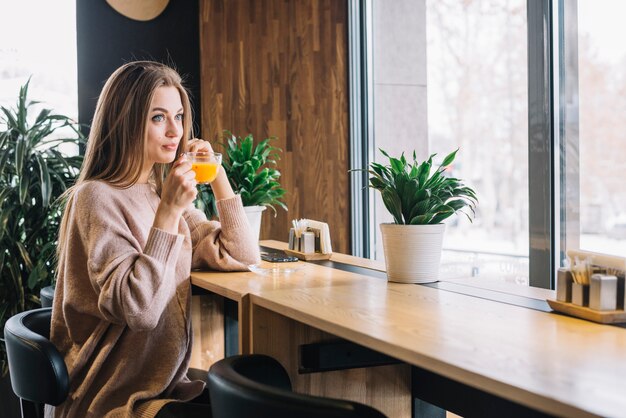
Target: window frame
(552, 132)
(361, 130)
(541, 144)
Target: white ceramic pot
(412, 252)
(254, 214)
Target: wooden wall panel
(280, 67)
(386, 388)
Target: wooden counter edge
(469, 378)
(197, 280)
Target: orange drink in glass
(205, 164)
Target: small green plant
(251, 171)
(33, 175)
(414, 196)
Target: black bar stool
(257, 386)
(38, 372)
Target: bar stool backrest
(257, 386)
(38, 372)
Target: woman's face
(165, 126)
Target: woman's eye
(158, 118)
(179, 116)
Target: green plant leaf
(43, 115)
(423, 171)
(20, 154)
(391, 200)
(24, 256)
(45, 182)
(4, 158)
(377, 183)
(34, 277)
(396, 165)
(449, 158)
(9, 117)
(23, 188)
(457, 204)
(441, 216)
(420, 220)
(246, 147)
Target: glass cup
(205, 164)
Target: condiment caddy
(592, 287)
(309, 240)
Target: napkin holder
(312, 244)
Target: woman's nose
(174, 128)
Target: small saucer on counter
(266, 268)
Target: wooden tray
(602, 317)
(307, 256)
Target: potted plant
(34, 173)
(419, 199)
(252, 172)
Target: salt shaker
(308, 242)
(603, 292)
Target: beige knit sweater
(121, 313)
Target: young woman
(128, 241)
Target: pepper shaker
(603, 292)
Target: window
(596, 209)
(477, 101)
(41, 46)
(532, 93)
(452, 74)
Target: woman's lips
(170, 147)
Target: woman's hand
(178, 193)
(199, 145)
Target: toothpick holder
(580, 294)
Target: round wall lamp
(141, 10)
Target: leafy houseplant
(419, 199)
(252, 172)
(414, 196)
(33, 175)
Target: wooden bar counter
(386, 388)
(548, 363)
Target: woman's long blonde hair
(116, 146)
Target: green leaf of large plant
(449, 158)
(392, 202)
(44, 180)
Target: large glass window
(453, 74)
(41, 46)
(602, 126)
(478, 101)
(532, 92)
